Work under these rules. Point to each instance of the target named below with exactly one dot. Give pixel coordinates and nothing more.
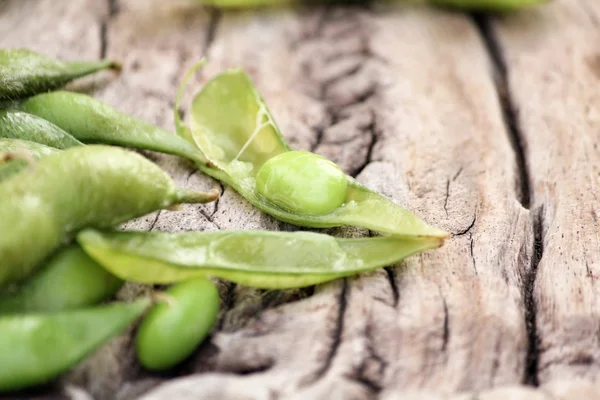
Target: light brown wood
(552, 64)
(409, 100)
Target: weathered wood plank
(339, 80)
(552, 61)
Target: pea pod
(87, 186)
(37, 348)
(93, 121)
(263, 259)
(24, 72)
(69, 280)
(23, 148)
(172, 329)
(16, 124)
(231, 125)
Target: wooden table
(487, 127)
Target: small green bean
(70, 279)
(24, 72)
(93, 121)
(232, 126)
(37, 348)
(263, 259)
(86, 186)
(21, 125)
(302, 182)
(173, 328)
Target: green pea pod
(24, 72)
(18, 151)
(173, 328)
(231, 125)
(86, 186)
(37, 348)
(69, 280)
(93, 121)
(263, 259)
(16, 124)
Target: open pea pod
(231, 125)
(36, 348)
(262, 259)
(25, 72)
(16, 124)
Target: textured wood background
(487, 127)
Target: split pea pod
(175, 326)
(24, 72)
(16, 124)
(262, 259)
(69, 280)
(87, 186)
(36, 348)
(92, 121)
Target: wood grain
(551, 56)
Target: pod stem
(191, 196)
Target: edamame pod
(86, 186)
(24, 72)
(231, 125)
(18, 151)
(262, 259)
(37, 348)
(93, 121)
(70, 279)
(173, 328)
(16, 124)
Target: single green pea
(24, 72)
(16, 124)
(171, 330)
(38, 347)
(302, 182)
(92, 121)
(70, 279)
(86, 186)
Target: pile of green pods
(68, 180)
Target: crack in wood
(472, 255)
(509, 110)
(215, 18)
(391, 275)
(446, 330)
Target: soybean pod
(87, 186)
(24, 72)
(69, 280)
(232, 126)
(262, 259)
(92, 121)
(16, 124)
(37, 348)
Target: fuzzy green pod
(172, 329)
(69, 280)
(302, 182)
(87, 186)
(37, 348)
(16, 124)
(92, 121)
(25, 72)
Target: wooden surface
(487, 127)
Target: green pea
(262, 259)
(232, 126)
(24, 72)
(174, 328)
(87, 186)
(93, 121)
(70, 279)
(37, 348)
(302, 182)
(21, 125)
